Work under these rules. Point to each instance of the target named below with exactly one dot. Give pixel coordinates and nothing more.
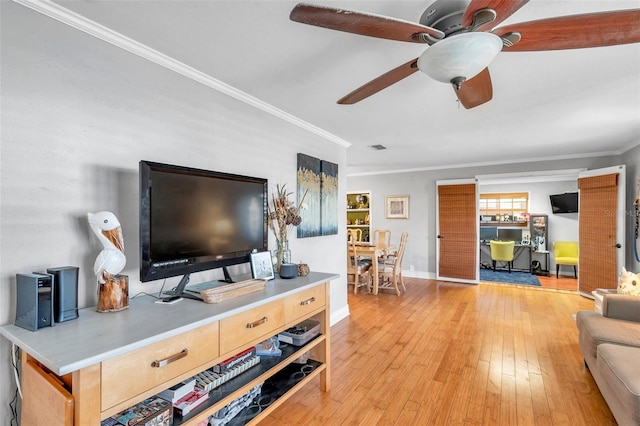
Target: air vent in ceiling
(377, 147)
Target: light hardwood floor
(447, 353)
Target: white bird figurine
(111, 259)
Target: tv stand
(105, 373)
(179, 290)
(182, 290)
(227, 276)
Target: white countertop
(97, 336)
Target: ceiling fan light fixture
(461, 56)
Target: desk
(518, 250)
(374, 252)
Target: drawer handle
(170, 359)
(262, 320)
(308, 301)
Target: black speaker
(288, 270)
(65, 293)
(34, 307)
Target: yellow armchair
(566, 253)
(502, 251)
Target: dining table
(375, 253)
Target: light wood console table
(107, 359)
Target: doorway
(576, 226)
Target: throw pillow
(629, 283)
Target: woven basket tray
(229, 291)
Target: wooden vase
(113, 294)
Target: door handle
(440, 236)
(617, 245)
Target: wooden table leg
(376, 254)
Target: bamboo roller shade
(457, 223)
(597, 234)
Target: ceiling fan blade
(503, 9)
(380, 83)
(475, 91)
(362, 23)
(576, 31)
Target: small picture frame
(261, 266)
(397, 206)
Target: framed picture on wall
(261, 266)
(397, 206)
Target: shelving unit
(110, 362)
(268, 368)
(359, 212)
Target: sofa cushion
(596, 329)
(618, 368)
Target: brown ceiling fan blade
(380, 83)
(475, 91)
(576, 31)
(362, 23)
(503, 9)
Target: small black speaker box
(65, 293)
(34, 307)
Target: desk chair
(390, 275)
(358, 271)
(566, 253)
(502, 251)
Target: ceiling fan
(463, 39)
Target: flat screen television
(564, 203)
(193, 220)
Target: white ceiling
(555, 104)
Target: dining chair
(354, 234)
(566, 253)
(382, 237)
(390, 273)
(502, 251)
(358, 270)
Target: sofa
(610, 345)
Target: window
(504, 207)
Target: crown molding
(79, 22)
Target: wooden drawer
(242, 329)
(300, 304)
(132, 373)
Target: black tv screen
(193, 220)
(564, 203)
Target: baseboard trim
(339, 315)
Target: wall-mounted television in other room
(193, 220)
(564, 203)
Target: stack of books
(151, 411)
(178, 391)
(227, 370)
(190, 401)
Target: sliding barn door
(601, 223)
(457, 231)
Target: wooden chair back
(382, 237)
(390, 277)
(354, 234)
(358, 272)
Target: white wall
(78, 115)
